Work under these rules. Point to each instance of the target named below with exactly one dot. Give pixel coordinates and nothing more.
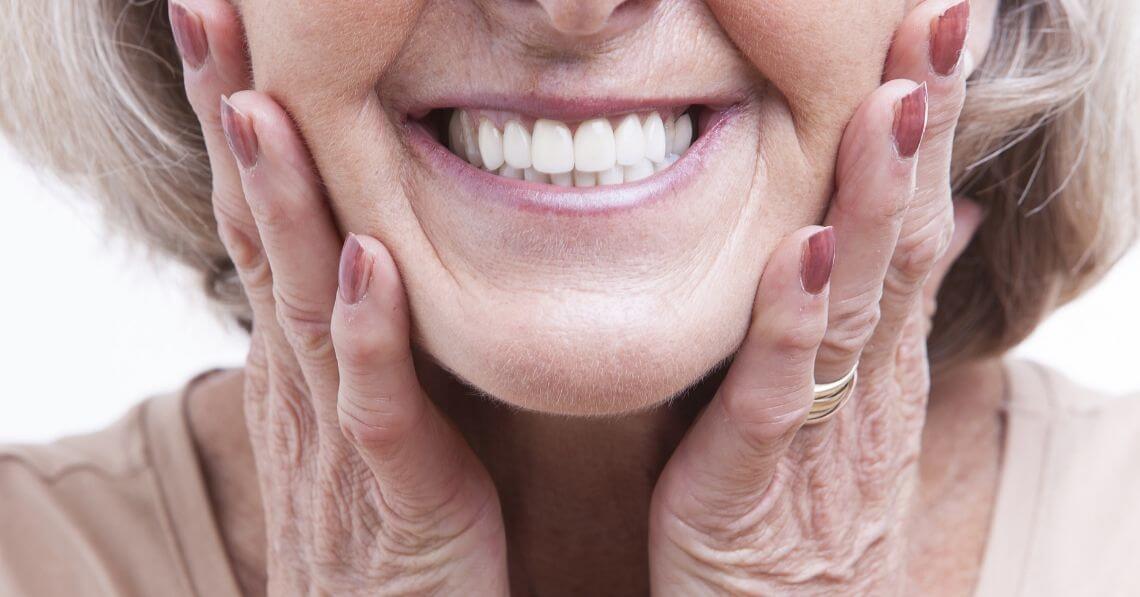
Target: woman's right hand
(366, 488)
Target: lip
(565, 108)
(600, 200)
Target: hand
(366, 488)
(751, 502)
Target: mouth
(582, 161)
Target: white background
(90, 327)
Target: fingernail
(948, 37)
(817, 261)
(189, 36)
(240, 135)
(910, 122)
(355, 271)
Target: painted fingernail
(240, 135)
(355, 271)
(910, 122)
(817, 261)
(189, 35)
(948, 37)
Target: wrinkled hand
(366, 488)
(752, 502)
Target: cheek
(822, 56)
(329, 49)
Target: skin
(378, 471)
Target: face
(574, 299)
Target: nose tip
(589, 17)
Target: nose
(593, 17)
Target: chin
(614, 359)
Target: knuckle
(372, 422)
(306, 326)
(852, 326)
(766, 416)
(918, 253)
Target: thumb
(730, 453)
(423, 466)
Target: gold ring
(830, 397)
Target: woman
(707, 373)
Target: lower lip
(600, 200)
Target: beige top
(124, 511)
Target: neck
(553, 473)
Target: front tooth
(654, 130)
(594, 146)
(682, 135)
(585, 179)
(640, 170)
(629, 140)
(509, 172)
(562, 179)
(470, 143)
(490, 145)
(552, 147)
(669, 160)
(532, 175)
(516, 145)
(615, 175)
(455, 134)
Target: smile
(598, 151)
(594, 163)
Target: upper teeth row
(598, 152)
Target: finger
(928, 47)
(295, 228)
(729, 455)
(421, 463)
(209, 37)
(968, 216)
(874, 184)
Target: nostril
(582, 17)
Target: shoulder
(92, 509)
(1069, 464)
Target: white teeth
(490, 145)
(455, 135)
(509, 172)
(470, 143)
(669, 159)
(629, 141)
(516, 145)
(594, 149)
(639, 171)
(654, 129)
(682, 135)
(596, 154)
(552, 148)
(532, 175)
(585, 179)
(562, 179)
(615, 175)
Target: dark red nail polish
(355, 271)
(818, 260)
(910, 122)
(189, 35)
(948, 37)
(240, 135)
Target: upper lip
(568, 109)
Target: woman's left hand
(752, 501)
